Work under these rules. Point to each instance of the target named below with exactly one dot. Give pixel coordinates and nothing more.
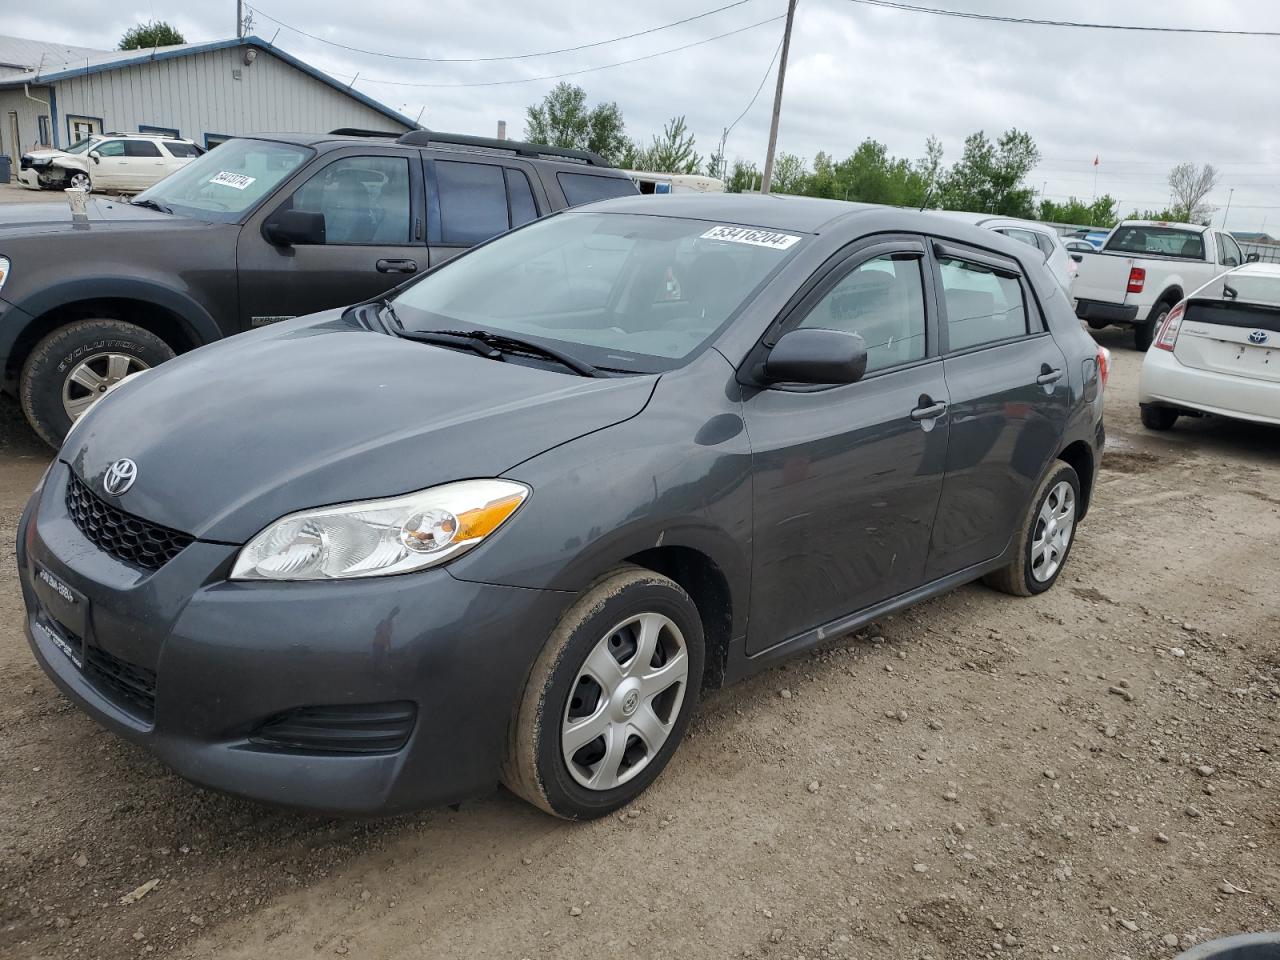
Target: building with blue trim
(53, 94)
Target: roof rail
(357, 132)
(430, 138)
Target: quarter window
(473, 202)
(580, 188)
(181, 150)
(520, 196)
(364, 200)
(982, 305)
(882, 300)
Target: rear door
(473, 198)
(143, 165)
(372, 205)
(1009, 403)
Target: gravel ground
(1087, 774)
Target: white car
(1037, 235)
(1218, 352)
(124, 162)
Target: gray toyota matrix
(508, 524)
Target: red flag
(1095, 159)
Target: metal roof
(32, 61)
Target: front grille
(129, 686)
(124, 536)
(344, 728)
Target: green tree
(1168, 215)
(1100, 213)
(743, 178)
(789, 174)
(870, 175)
(563, 119)
(991, 177)
(153, 33)
(929, 169)
(671, 151)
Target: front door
(108, 166)
(846, 478)
(374, 239)
(1010, 400)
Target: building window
(43, 124)
(78, 127)
(163, 131)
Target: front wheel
(609, 697)
(74, 366)
(1048, 530)
(79, 181)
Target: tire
(1144, 334)
(49, 367)
(1021, 578)
(560, 690)
(77, 180)
(1158, 418)
(1097, 324)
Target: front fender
(70, 163)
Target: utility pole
(1230, 193)
(777, 99)
(239, 19)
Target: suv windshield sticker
(237, 180)
(757, 238)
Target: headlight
(380, 537)
(4, 271)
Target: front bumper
(224, 658)
(1106, 312)
(1167, 382)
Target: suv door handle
(931, 411)
(397, 266)
(1048, 375)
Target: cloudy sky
(1140, 102)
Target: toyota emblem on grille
(120, 476)
(1258, 336)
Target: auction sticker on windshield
(757, 238)
(237, 180)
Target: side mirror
(1078, 257)
(95, 156)
(810, 355)
(288, 228)
(1251, 258)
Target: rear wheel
(1158, 418)
(1097, 324)
(609, 697)
(74, 366)
(1144, 334)
(1048, 532)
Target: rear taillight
(1137, 279)
(1104, 365)
(1167, 335)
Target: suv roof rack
(430, 138)
(358, 132)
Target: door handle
(930, 412)
(397, 266)
(1048, 376)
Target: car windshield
(80, 146)
(1163, 241)
(227, 183)
(621, 291)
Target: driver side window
(882, 300)
(110, 148)
(364, 200)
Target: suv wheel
(79, 181)
(1048, 532)
(609, 697)
(71, 368)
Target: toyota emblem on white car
(1258, 336)
(120, 476)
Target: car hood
(319, 411)
(100, 211)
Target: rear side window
(473, 202)
(140, 148)
(1045, 245)
(881, 300)
(520, 195)
(982, 305)
(1022, 236)
(181, 150)
(580, 188)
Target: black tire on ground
(1158, 418)
(76, 179)
(1017, 578)
(1144, 334)
(535, 767)
(1097, 324)
(54, 358)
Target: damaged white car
(123, 162)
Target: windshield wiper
(151, 205)
(493, 345)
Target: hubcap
(92, 377)
(1055, 524)
(624, 701)
(80, 180)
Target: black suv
(259, 230)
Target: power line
(517, 56)
(1030, 21)
(755, 96)
(576, 73)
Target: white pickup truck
(1145, 267)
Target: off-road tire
(535, 768)
(49, 364)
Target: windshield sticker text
(237, 180)
(757, 238)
